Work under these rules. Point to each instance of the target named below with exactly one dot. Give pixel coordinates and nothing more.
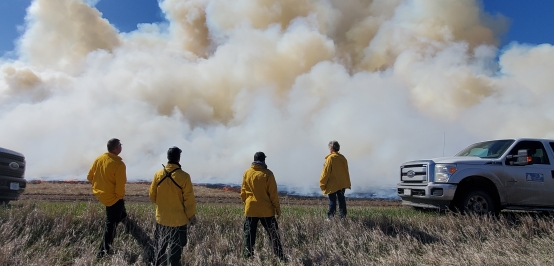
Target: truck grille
(12, 156)
(413, 173)
(12, 173)
(6, 159)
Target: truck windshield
(487, 149)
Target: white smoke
(390, 80)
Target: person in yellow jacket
(261, 204)
(334, 179)
(171, 191)
(108, 177)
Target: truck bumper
(11, 187)
(432, 195)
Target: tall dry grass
(69, 234)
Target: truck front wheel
(478, 202)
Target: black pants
(333, 204)
(114, 215)
(175, 238)
(270, 226)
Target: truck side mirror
(522, 158)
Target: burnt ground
(138, 192)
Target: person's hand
(277, 215)
(193, 220)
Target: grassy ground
(69, 234)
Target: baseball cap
(174, 153)
(259, 156)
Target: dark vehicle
(12, 175)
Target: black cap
(174, 154)
(259, 156)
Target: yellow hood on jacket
(174, 205)
(108, 177)
(259, 193)
(334, 175)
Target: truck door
(549, 185)
(530, 184)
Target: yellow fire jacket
(108, 177)
(334, 175)
(259, 193)
(174, 205)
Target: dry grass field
(134, 192)
(138, 192)
(62, 224)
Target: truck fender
(462, 174)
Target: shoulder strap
(168, 174)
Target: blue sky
(531, 20)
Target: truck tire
(478, 202)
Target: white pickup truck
(484, 178)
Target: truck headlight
(443, 172)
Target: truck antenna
(443, 142)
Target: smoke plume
(391, 80)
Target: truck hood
(2, 150)
(456, 159)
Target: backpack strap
(168, 174)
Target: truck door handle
(512, 181)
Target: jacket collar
(113, 156)
(171, 162)
(171, 166)
(259, 163)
